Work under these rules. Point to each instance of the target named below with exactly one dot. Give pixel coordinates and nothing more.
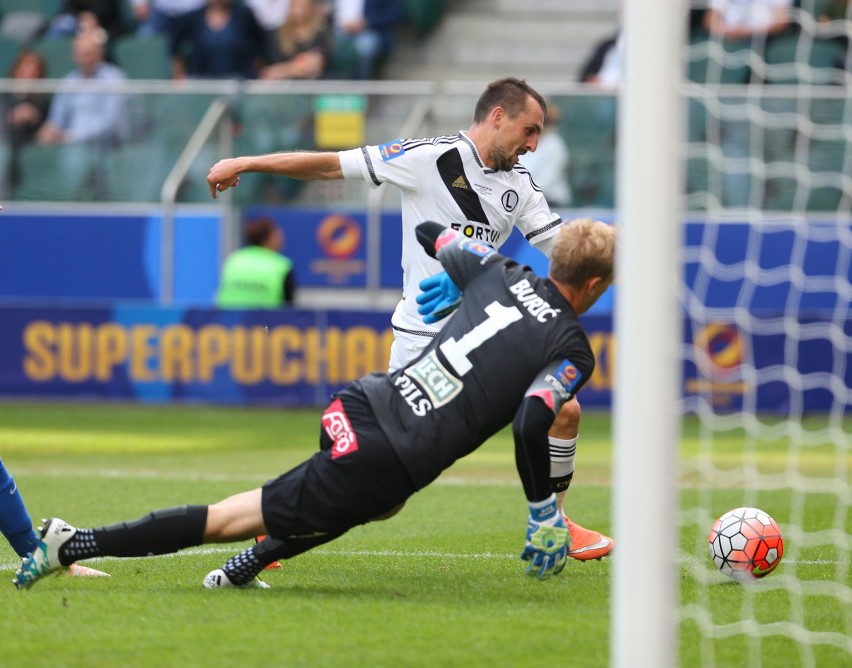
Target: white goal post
(647, 327)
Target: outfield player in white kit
(474, 182)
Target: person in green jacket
(257, 275)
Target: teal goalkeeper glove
(547, 540)
(438, 298)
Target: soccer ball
(746, 544)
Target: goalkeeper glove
(438, 298)
(547, 540)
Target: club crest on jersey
(510, 200)
(390, 150)
(568, 375)
(439, 384)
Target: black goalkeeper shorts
(354, 478)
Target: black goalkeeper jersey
(514, 335)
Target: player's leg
(585, 543)
(17, 526)
(406, 347)
(170, 529)
(15, 522)
(160, 532)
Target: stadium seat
(696, 120)
(127, 15)
(59, 173)
(587, 123)
(828, 110)
(8, 51)
(275, 122)
(22, 27)
(129, 183)
(697, 171)
(344, 60)
(143, 57)
(424, 15)
(22, 21)
(57, 53)
(169, 121)
(784, 52)
(728, 67)
(46, 7)
(270, 123)
(778, 128)
(175, 117)
(828, 154)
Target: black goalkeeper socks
(81, 546)
(160, 532)
(243, 568)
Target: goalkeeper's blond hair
(584, 248)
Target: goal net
(767, 385)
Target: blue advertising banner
(288, 357)
(299, 357)
(329, 247)
(106, 257)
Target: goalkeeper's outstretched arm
(427, 234)
(532, 453)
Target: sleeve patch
(390, 150)
(478, 248)
(568, 375)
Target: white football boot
(219, 580)
(44, 560)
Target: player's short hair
(257, 232)
(509, 93)
(584, 248)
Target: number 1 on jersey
(499, 317)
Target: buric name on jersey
(479, 232)
(536, 306)
(438, 383)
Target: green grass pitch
(441, 584)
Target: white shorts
(405, 348)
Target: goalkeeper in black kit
(513, 352)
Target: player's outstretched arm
(303, 165)
(428, 233)
(547, 539)
(439, 295)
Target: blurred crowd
(244, 39)
(116, 40)
(769, 29)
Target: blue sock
(15, 522)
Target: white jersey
(443, 179)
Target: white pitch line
(256, 480)
(225, 549)
(416, 554)
(259, 479)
